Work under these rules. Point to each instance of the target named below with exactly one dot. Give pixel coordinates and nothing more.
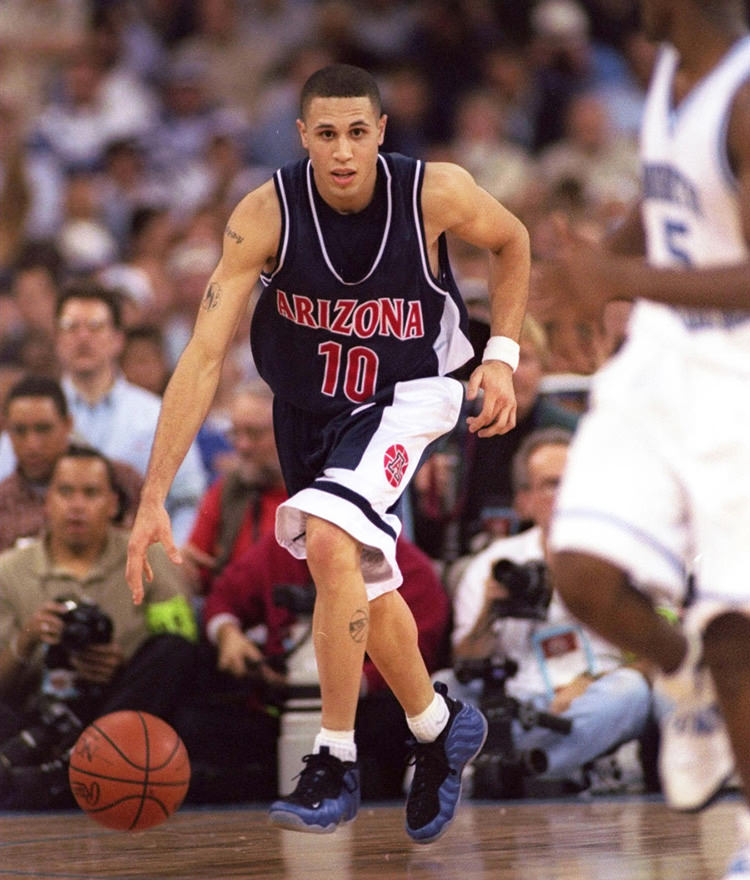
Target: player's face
(342, 137)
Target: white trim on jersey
(321, 240)
(420, 230)
(266, 277)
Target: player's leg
(726, 651)
(448, 734)
(328, 792)
(600, 595)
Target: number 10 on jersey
(360, 371)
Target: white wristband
(502, 348)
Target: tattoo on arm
(211, 297)
(358, 625)
(230, 233)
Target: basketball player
(657, 482)
(356, 329)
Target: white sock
(340, 743)
(428, 725)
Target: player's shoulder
(448, 192)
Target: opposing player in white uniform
(658, 485)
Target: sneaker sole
(449, 822)
(697, 806)
(293, 822)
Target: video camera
(501, 769)
(528, 587)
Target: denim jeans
(613, 710)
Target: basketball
(129, 771)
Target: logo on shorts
(395, 462)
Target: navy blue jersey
(352, 307)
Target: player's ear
(302, 129)
(381, 128)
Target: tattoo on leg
(358, 625)
(211, 297)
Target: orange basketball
(129, 771)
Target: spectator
(144, 359)
(242, 598)
(602, 164)
(240, 507)
(55, 689)
(113, 415)
(562, 667)
(39, 425)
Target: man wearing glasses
(110, 413)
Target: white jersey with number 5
(691, 212)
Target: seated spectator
(252, 632)
(240, 507)
(126, 656)
(39, 426)
(110, 413)
(563, 668)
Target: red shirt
(244, 590)
(259, 520)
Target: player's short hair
(340, 81)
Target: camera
(84, 624)
(528, 588)
(501, 770)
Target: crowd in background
(129, 129)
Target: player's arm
(601, 277)
(452, 202)
(250, 244)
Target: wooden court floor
(602, 839)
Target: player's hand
(498, 413)
(151, 526)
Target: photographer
(504, 607)
(74, 646)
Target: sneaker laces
(323, 776)
(431, 768)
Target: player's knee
(331, 552)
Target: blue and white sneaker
(436, 787)
(327, 794)
(695, 757)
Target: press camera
(529, 590)
(501, 769)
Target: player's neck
(702, 47)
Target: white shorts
(658, 476)
(382, 446)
